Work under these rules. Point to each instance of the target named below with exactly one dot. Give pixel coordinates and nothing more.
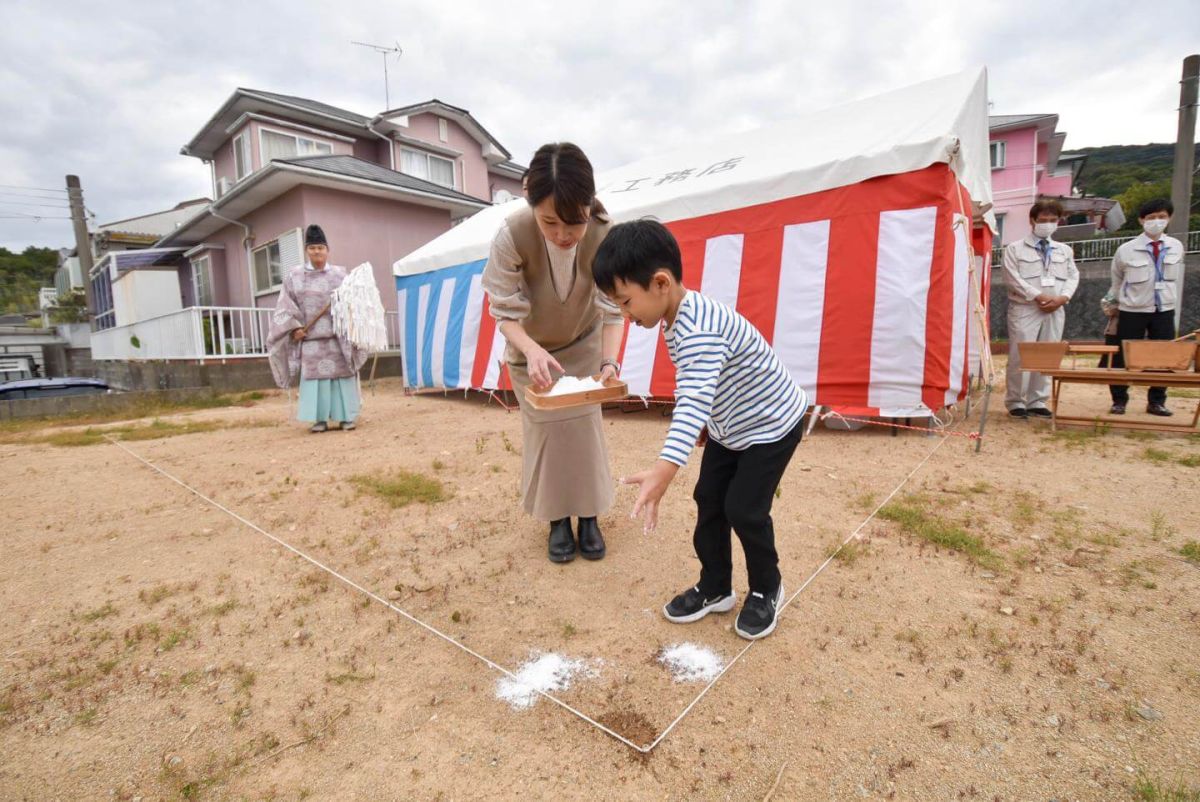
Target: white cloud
(111, 92)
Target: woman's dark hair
(634, 252)
(561, 171)
(1156, 205)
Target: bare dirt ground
(1020, 624)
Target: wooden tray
(1158, 355)
(1041, 356)
(614, 390)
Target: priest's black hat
(314, 236)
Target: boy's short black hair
(1156, 205)
(634, 252)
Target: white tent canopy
(939, 121)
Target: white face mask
(1154, 227)
(1044, 230)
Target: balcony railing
(199, 333)
(1103, 248)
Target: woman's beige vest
(553, 323)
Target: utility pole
(1185, 157)
(83, 245)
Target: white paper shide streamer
(358, 311)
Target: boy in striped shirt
(731, 391)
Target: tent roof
(939, 121)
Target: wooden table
(1139, 378)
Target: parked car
(46, 388)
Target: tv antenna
(385, 52)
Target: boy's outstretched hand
(654, 484)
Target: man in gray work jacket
(1041, 277)
(1145, 275)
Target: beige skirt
(565, 472)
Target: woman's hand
(298, 334)
(607, 372)
(541, 365)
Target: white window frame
(443, 130)
(998, 154)
(262, 147)
(243, 148)
(428, 172)
(254, 267)
(202, 266)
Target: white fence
(1102, 248)
(200, 332)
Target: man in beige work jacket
(1041, 277)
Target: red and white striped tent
(843, 236)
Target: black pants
(1135, 326)
(735, 491)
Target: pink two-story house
(1028, 165)
(379, 186)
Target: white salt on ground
(546, 673)
(688, 662)
(570, 384)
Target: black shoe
(1117, 409)
(591, 542)
(759, 615)
(1018, 412)
(1040, 412)
(691, 606)
(317, 428)
(1159, 410)
(562, 541)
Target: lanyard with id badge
(1160, 281)
(1047, 276)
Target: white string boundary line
(351, 583)
(578, 713)
(801, 589)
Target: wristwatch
(616, 365)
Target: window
(997, 152)
(1000, 228)
(427, 166)
(288, 146)
(241, 156)
(202, 281)
(443, 130)
(103, 316)
(268, 270)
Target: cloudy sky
(111, 91)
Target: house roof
(311, 105)
(359, 168)
(1014, 120)
(322, 115)
(498, 155)
(345, 173)
(154, 224)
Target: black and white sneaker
(691, 606)
(759, 615)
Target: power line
(40, 205)
(35, 189)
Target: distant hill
(1124, 171)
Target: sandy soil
(153, 647)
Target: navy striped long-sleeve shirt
(727, 378)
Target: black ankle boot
(591, 542)
(562, 541)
